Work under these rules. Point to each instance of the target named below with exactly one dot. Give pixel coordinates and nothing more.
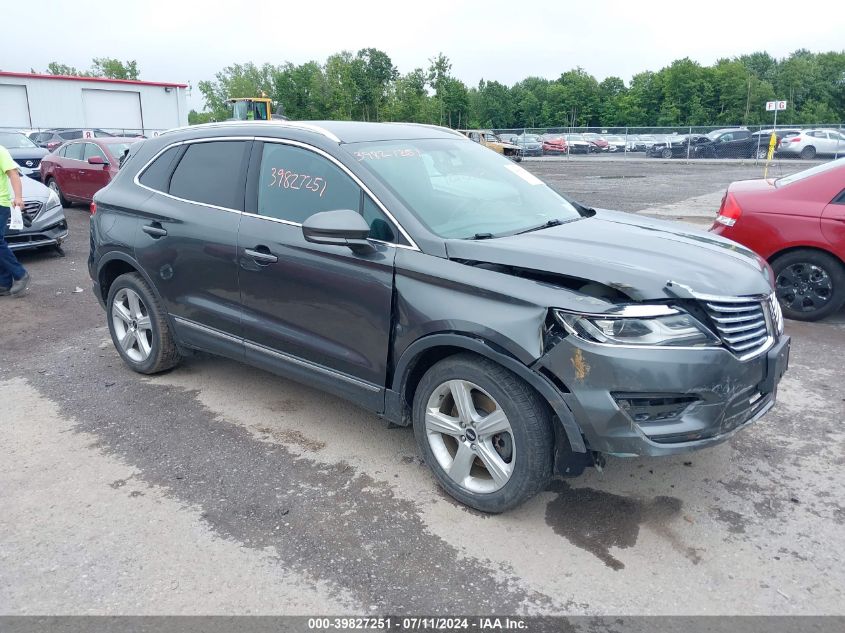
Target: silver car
(810, 143)
(43, 218)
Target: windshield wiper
(545, 225)
(481, 236)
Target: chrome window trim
(413, 245)
(136, 179)
(138, 174)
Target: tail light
(93, 208)
(730, 211)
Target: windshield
(529, 138)
(574, 137)
(15, 141)
(812, 171)
(462, 190)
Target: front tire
(138, 326)
(810, 285)
(666, 153)
(485, 434)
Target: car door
(188, 238)
(92, 178)
(67, 170)
(316, 312)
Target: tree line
(367, 86)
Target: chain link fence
(689, 143)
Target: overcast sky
(506, 41)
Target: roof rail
(299, 125)
(428, 125)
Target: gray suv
(436, 284)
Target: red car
(797, 223)
(79, 169)
(556, 145)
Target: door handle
(154, 230)
(262, 255)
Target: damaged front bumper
(632, 402)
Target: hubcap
(470, 436)
(804, 287)
(132, 328)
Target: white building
(31, 101)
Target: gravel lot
(219, 489)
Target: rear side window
(211, 173)
(157, 175)
(75, 151)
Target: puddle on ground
(597, 521)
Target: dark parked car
(79, 169)
(43, 219)
(676, 146)
(24, 152)
(51, 139)
(798, 224)
(530, 143)
(440, 285)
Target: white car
(810, 143)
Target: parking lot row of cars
(71, 173)
(722, 143)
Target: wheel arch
(804, 247)
(113, 265)
(428, 350)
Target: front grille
(743, 324)
(30, 211)
(31, 163)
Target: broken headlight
(656, 325)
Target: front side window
(93, 150)
(211, 173)
(461, 190)
(296, 183)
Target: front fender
(395, 402)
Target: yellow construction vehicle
(250, 109)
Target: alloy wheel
(470, 436)
(132, 325)
(804, 287)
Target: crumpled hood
(633, 254)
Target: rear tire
(512, 459)
(810, 284)
(808, 153)
(53, 185)
(761, 153)
(139, 327)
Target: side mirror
(97, 160)
(343, 227)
